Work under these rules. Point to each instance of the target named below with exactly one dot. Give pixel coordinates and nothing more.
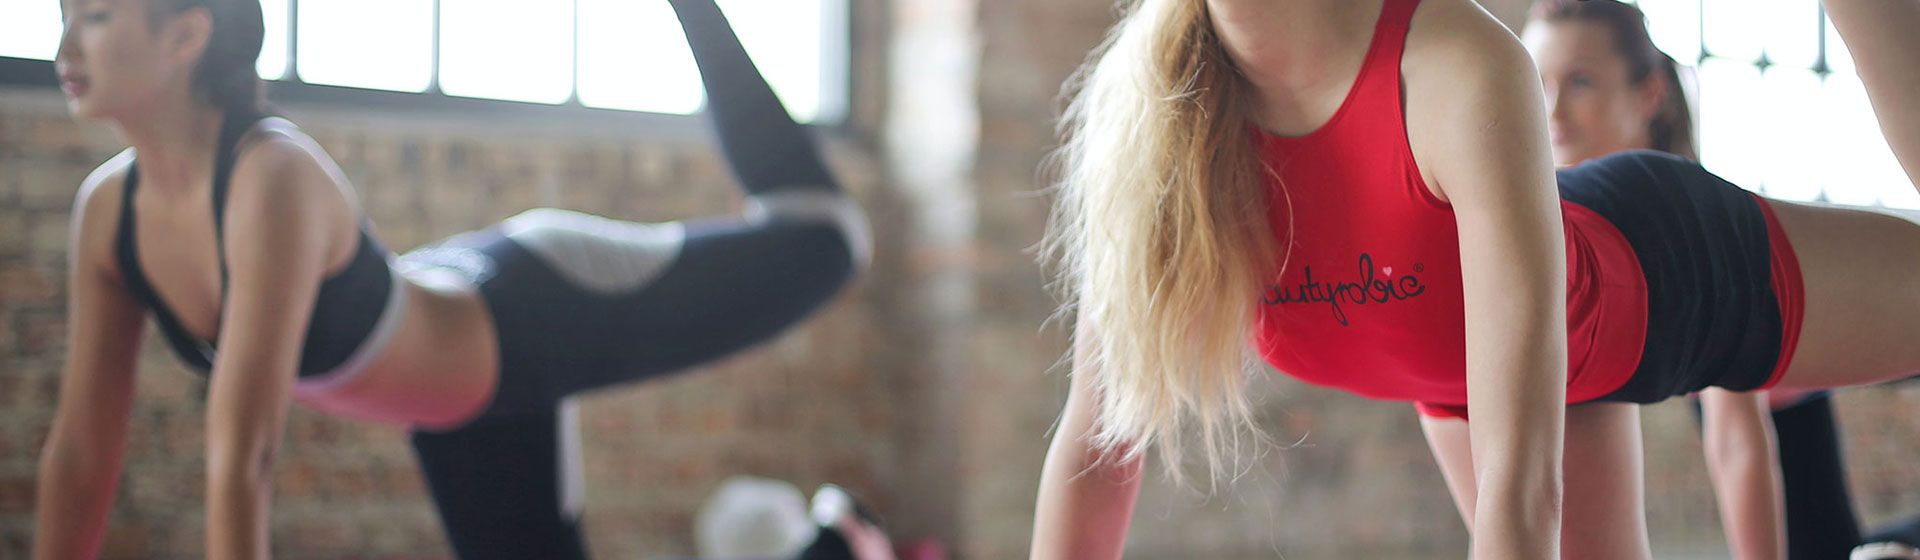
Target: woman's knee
(831, 208)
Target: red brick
(47, 235)
(21, 283)
(16, 495)
(62, 136)
(28, 390)
(14, 237)
(42, 332)
(9, 341)
(318, 536)
(49, 185)
(127, 541)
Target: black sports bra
(353, 316)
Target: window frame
(835, 111)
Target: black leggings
(1820, 520)
(582, 303)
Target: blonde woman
(1364, 191)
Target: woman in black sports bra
(245, 242)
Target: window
(1780, 109)
(507, 49)
(29, 28)
(372, 44)
(627, 55)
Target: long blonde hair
(1160, 234)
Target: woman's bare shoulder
(1451, 37)
(95, 217)
(1468, 84)
(278, 159)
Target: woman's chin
(83, 108)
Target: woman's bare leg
(1861, 270)
(1882, 36)
(1452, 446)
(1604, 516)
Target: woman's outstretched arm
(1476, 120)
(80, 464)
(1743, 461)
(1086, 495)
(275, 247)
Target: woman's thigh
(1605, 515)
(1452, 448)
(1861, 271)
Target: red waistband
(1787, 288)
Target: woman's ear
(1653, 93)
(185, 35)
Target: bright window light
(1675, 27)
(29, 28)
(1729, 28)
(507, 49)
(1791, 29)
(633, 54)
(1860, 167)
(1731, 118)
(1788, 170)
(783, 37)
(273, 48)
(1839, 59)
(373, 44)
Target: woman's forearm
(237, 505)
(1517, 511)
(75, 495)
(1085, 505)
(1749, 497)
(1743, 465)
(1518, 437)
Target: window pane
(1729, 28)
(1838, 57)
(273, 47)
(1792, 29)
(633, 54)
(29, 28)
(1859, 167)
(1730, 117)
(507, 49)
(374, 44)
(783, 37)
(1788, 169)
(1675, 27)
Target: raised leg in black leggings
(582, 303)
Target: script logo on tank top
(1375, 285)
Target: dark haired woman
(1610, 89)
(1365, 190)
(245, 241)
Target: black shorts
(1717, 269)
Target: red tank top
(1370, 297)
